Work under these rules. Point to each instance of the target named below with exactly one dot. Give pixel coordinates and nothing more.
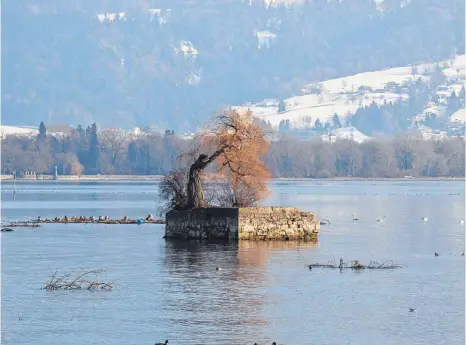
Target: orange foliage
(243, 146)
(76, 168)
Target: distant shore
(86, 178)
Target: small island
(224, 206)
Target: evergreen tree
(80, 130)
(318, 125)
(82, 147)
(453, 104)
(336, 121)
(462, 96)
(284, 126)
(94, 150)
(281, 106)
(42, 131)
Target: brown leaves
(241, 162)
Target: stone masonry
(247, 223)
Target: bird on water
(355, 218)
(383, 219)
(436, 254)
(412, 309)
(165, 343)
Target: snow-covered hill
(18, 131)
(343, 96)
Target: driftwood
(356, 265)
(81, 281)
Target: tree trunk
(195, 190)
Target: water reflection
(216, 293)
(258, 253)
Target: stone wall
(249, 223)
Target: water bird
(274, 343)
(462, 254)
(355, 218)
(383, 219)
(425, 219)
(165, 343)
(461, 222)
(412, 309)
(436, 254)
(20, 318)
(218, 268)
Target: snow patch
(265, 38)
(459, 116)
(346, 133)
(188, 49)
(111, 17)
(18, 131)
(154, 12)
(194, 78)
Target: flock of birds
(384, 219)
(424, 219)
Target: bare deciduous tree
(114, 140)
(237, 144)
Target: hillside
(171, 64)
(345, 96)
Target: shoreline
(156, 178)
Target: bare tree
(114, 141)
(172, 192)
(236, 144)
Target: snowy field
(343, 96)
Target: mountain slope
(343, 96)
(167, 64)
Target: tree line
(90, 151)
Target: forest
(131, 70)
(90, 151)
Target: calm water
(264, 292)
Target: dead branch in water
(77, 282)
(356, 265)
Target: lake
(264, 291)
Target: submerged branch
(355, 264)
(79, 282)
